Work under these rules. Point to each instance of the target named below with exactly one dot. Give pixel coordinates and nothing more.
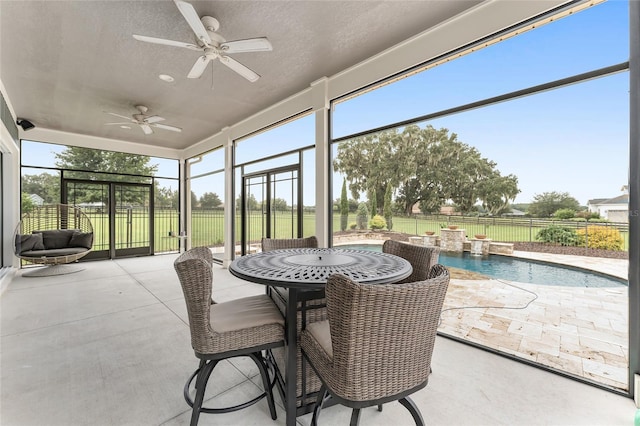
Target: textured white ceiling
(64, 63)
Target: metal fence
(208, 227)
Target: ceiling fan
(146, 122)
(211, 44)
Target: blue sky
(574, 139)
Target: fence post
(586, 235)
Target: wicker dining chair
(240, 327)
(314, 310)
(377, 344)
(421, 258)
(269, 244)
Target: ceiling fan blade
(167, 42)
(166, 127)
(198, 67)
(193, 20)
(260, 44)
(154, 119)
(120, 116)
(239, 68)
(116, 124)
(146, 129)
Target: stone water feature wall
(452, 240)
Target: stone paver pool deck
(582, 331)
(578, 330)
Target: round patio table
(304, 272)
(309, 268)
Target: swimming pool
(520, 270)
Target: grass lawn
(207, 227)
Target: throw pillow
(28, 242)
(81, 239)
(57, 239)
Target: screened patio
(270, 161)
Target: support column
(634, 197)
(323, 169)
(184, 187)
(229, 200)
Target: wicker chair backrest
(196, 278)
(421, 258)
(382, 335)
(269, 244)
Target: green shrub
(578, 219)
(564, 214)
(587, 214)
(344, 207)
(353, 225)
(601, 237)
(377, 222)
(558, 235)
(344, 220)
(598, 220)
(362, 216)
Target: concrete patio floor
(110, 346)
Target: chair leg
(201, 385)
(186, 391)
(322, 394)
(266, 382)
(380, 407)
(202, 362)
(413, 409)
(355, 417)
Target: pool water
(520, 270)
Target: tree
(564, 214)
(365, 162)
(374, 202)
(497, 192)
(362, 216)
(210, 200)
(386, 209)
(194, 200)
(547, 203)
(46, 185)
(122, 167)
(95, 160)
(166, 197)
(427, 166)
(353, 205)
(344, 207)
(252, 203)
(279, 204)
(27, 203)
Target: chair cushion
(248, 312)
(67, 251)
(81, 239)
(28, 242)
(321, 332)
(57, 238)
